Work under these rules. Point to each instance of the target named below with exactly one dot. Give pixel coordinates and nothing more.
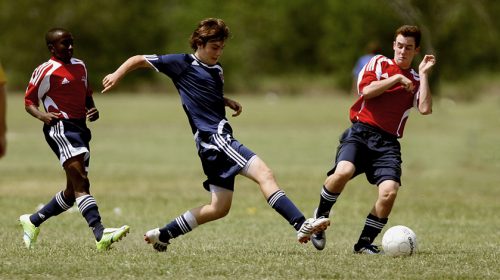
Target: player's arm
(425, 97)
(376, 88)
(92, 112)
(3, 123)
(134, 62)
(47, 118)
(236, 106)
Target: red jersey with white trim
(390, 110)
(62, 88)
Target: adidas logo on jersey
(64, 81)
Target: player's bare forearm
(425, 96)
(236, 106)
(47, 118)
(131, 64)
(92, 112)
(377, 88)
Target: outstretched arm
(425, 97)
(135, 62)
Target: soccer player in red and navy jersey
(199, 79)
(61, 85)
(388, 89)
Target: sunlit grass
(145, 171)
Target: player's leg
(218, 207)
(258, 171)
(332, 187)
(378, 217)
(75, 169)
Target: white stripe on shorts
(66, 150)
(230, 151)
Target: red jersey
(390, 110)
(62, 88)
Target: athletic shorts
(222, 158)
(69, 138)
(372, 151)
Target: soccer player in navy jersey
(388, 89)
(199, 80)
(62, 87)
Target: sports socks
(373, 226)
(179, 226)
(89, 210)
(285, 207)
(56, 206)
(326, 202)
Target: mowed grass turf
(145, 172)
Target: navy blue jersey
(201, 88)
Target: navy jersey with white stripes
(201, 88)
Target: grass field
(145, 171)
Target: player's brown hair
(409, 31)
(210, 29)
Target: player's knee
(220, 211)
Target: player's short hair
(50, 36)
(210, 29)
(409, 31)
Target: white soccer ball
(399, 241)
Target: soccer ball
(399, 241)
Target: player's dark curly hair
(409, 31)
(210, 29)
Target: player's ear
(50, 46)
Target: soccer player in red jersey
(388, 89)
(61, 84)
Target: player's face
(62, 47)
(404, 51)
(211, 52)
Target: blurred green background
(280, 46)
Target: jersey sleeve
(3, 80)
(370, 72)
(170, 64)
(35, 90)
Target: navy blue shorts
(222, 158)
(69, 138)
(372, 151)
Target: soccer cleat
(153, 237)
(368, 250)
(318, 239)
(110, 236)
(311, 226)
(30, 231)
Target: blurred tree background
(282, 46)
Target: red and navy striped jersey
(62, 88)
(390, 110)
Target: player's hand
(426, 64)
(50, 118)
(234, 105)
(92, 114)
(406, 83)
(109, 82)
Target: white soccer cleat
(318, 239)
(311, 226)
(153, 237)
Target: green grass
(144, 163)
